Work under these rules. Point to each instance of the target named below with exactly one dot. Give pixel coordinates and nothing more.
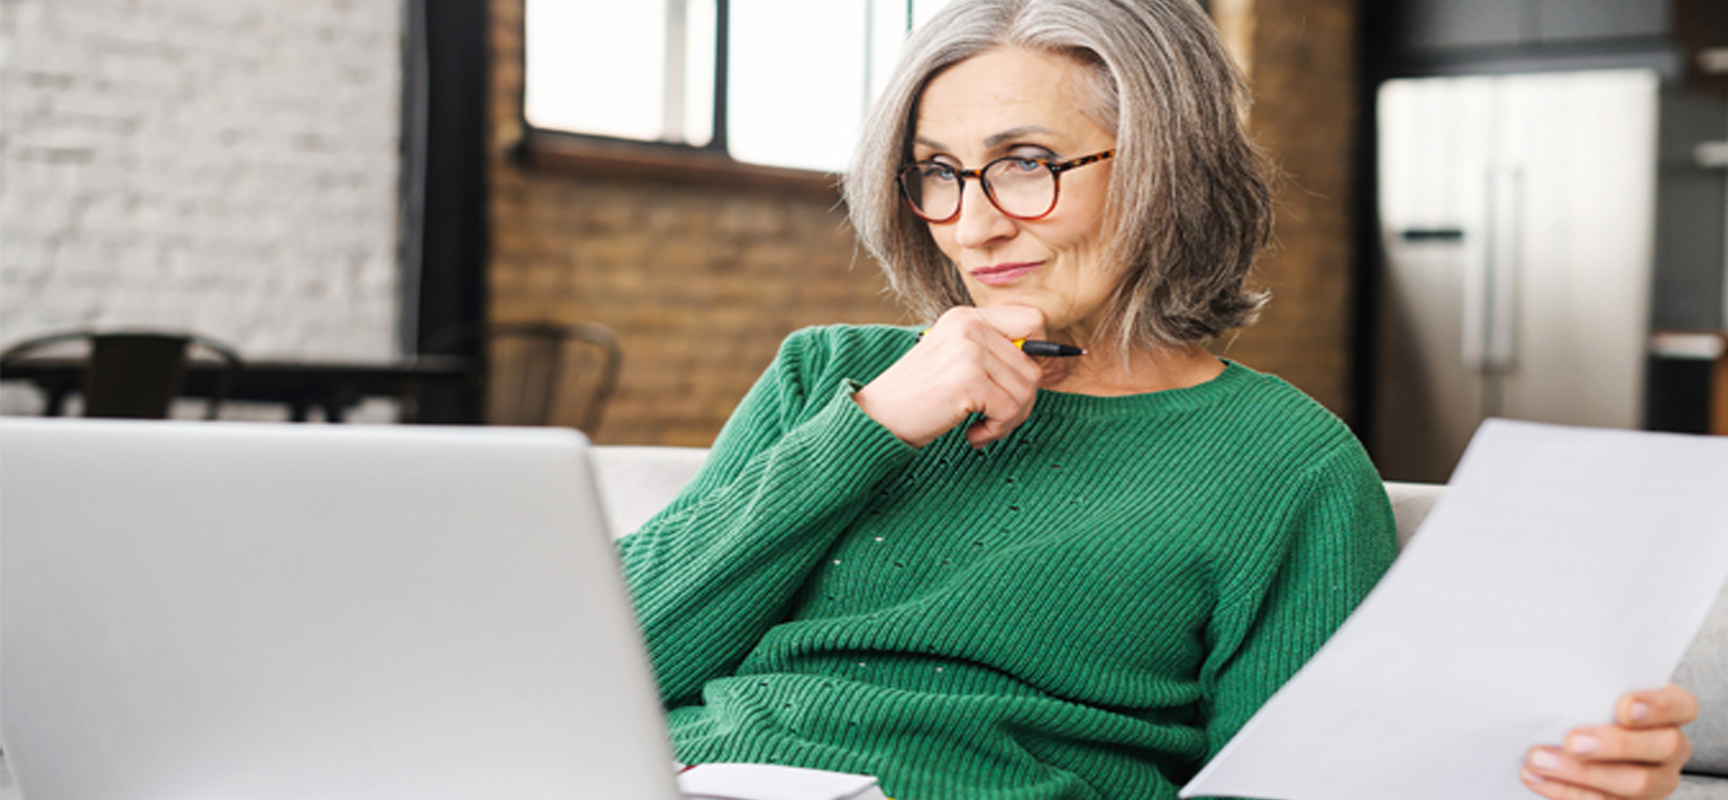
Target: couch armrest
(1704, 670)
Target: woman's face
(1012, 102)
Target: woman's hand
(1640, 757)
(966, 364)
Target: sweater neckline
(1232, 379)
(1199, 395)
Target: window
(774, 82)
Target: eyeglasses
(1018, 186)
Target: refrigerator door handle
(1505, 263)
(1477, 266)
(1490, 324)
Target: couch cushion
(1411, 503)
(1704, 670)
(1700, 787)
(636, 482)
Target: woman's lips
(1002, 274)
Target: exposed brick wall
(1303, 72)
(701, 283)
(228, 166)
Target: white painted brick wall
(225, 166)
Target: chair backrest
(542, 373)
(131, 374)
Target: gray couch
(635, 482)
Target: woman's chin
(1024, 300)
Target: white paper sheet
(1562, 568)
(773, 782)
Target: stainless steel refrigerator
(1518, 227)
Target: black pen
(1037, 347)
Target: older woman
(978, 573)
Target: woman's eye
(1024, 165)
(933, 170)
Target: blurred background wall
(1300, 57)
(360, 179)
(702, 276)
(228, 166)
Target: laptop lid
(193, 610)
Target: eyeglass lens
(1019, 187)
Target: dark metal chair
(533, 369)
(126, 374)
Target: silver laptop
(201, 610)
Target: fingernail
(1640, 712)
(1542, 759)
(1532, 777)
(1583, 743)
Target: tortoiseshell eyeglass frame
(910, 173)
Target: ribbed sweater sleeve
(719, 567)
(1280, 603)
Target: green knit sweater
(1089, 608)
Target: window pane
(894, 21)
(601, 67)
(883, 38)
(797, 81)
(803, 73)
(699, 41)
(923, 10)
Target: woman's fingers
(1007, 394)
(1008, 403)
(967, 364)
(1555, 789)
(1616, 743)
(1637, 759)
(1553, 773)
(1011, 372)
(1669, 705)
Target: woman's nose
(980, 220)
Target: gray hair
(1190, 198)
